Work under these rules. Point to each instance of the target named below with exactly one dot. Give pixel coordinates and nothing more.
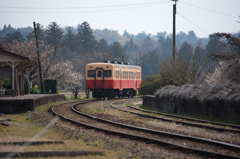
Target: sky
(204, 17)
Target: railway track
(154, 136)
(177, 120)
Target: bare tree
(189, 66)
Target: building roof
(6, 57)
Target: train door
(99, 78)
(135, 79)
(120, 76)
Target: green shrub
(34, 90)
(26, 85)
(5, 83)
(51, 84)
(151, 84)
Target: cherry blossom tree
(28, 49)
(53, 66)
(217, 77)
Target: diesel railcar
(112, 79)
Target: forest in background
(64, 53)
(141, 49)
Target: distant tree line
(80, 45)
(83, 41)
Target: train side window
(107, 73)
(138, 75)
(99, 73)
(91, 73)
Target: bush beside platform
(210, 111)
(217, 103)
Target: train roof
(122, 65)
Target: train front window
(108, 73)
(99, 73)
(91, 73)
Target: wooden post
(174, 30)
(22, 82)
(13, 77)
(17, 82)
(39, 65)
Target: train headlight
(107, 66)
(90, 66)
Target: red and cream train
(111, 79)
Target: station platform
(20, 104)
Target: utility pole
(39, 65)
(174, 29)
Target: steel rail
(152, 140)
(51, 153)
(190, 119)
(32, 142)
(181, 122)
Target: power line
(211, 10)
(192, 23)
(123, 5)
(88, 11)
